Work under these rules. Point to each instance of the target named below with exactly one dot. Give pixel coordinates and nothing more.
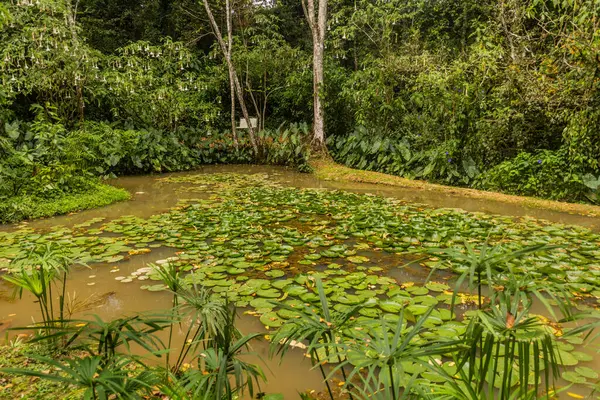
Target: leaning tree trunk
(233, 127)
(318, 26)
(232, 73)
(79, 82)
(231, 80)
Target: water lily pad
(580, 356)
(114, 259)
(309, 297)
(268, 293)
(358, 259)
(573, 377)
(262, 304)
(390, 306)
(417, 309)
(417, 290)
(271, 319)
(437, 287)
(565, 358)
(282, 283)
(369, 312)
(276, 273)
(288, 314)
(295, 290)
(155, 288)
(348, 299)
(587, 372)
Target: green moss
(14, 209)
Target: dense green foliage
(495, 95)
(93, 195)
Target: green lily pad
(573, 377)
(417, 309)
(582, 356)
(275, 273)
(369, 312)
(114, 259)
(154, 288)
(271, 319)
(295, 290)
(262, 304)
(390, 306)
(280, 284)
(436, 286)
(358, 259)
(587, 372)
(565, 358)
(268, 293)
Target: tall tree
(317, 21)
(227, 49)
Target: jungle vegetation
(495, 95)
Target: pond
(255, 234)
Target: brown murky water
(149, 196)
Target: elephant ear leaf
(428, 169)
(12, 130)
(591, 181)
(470, 167)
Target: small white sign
(244, 125)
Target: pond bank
(330, 171)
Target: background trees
(500, 95)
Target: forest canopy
(496, 95)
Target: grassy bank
(329, 170)
(18, 208)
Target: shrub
(547, 174)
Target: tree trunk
(72, 21)
(319, 123)
(233, 127)
(231, 84)
(231, 67)
(318, 26)
(240, 96)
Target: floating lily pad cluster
(256, 243)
